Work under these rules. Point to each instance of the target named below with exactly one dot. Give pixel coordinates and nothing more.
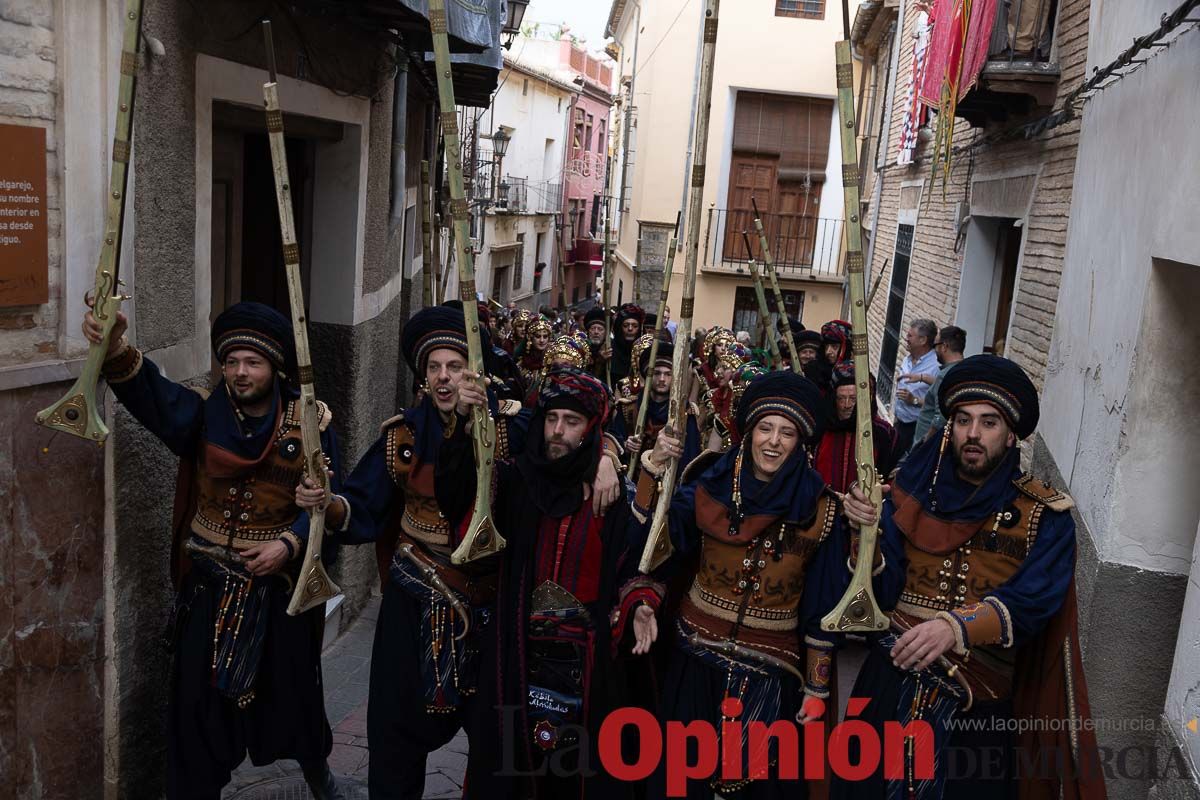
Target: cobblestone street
(346, 666)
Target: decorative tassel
(735, 514)
(933, 503)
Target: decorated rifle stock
(857, 610)
(662, 307)
(482, 538)
(658, 543)
(78, 412)
(314, 586)
(769, 268)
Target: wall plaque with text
(24, 230)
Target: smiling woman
(772, 555)
(772, 442)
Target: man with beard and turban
(627, 329)
(425, 658)
(246, 677)
(835, 452)
(568, 591)
(601, 347)
(984, 640)
(773, 553)
(657, 379)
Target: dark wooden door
(751, 178)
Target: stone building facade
(1037, 241)
(85, 592)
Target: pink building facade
(585, 172)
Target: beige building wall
(756, 51)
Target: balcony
(587, 252)
(1019, 77)
(801, 247)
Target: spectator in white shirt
(910, 389)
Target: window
(574, 295)
(745, 310)
(519, 262)
(595, 214)
(805, 9)
(894, 319)
(525, 88)
(560, 104)
(540, 266)
(577, 141)
(587, 133)
(779, 154)
(601, 141)
(620, 292)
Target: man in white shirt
(910, 389)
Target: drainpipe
(399, 134)
(687, 158)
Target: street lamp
(514, 14)
(500, 139)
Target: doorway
(247, 252)
(988, 285)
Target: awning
(473, 27)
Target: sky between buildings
(586, 18)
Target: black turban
(650, 320)
(994, 380)
(796, 325)
(664, 357)
(257, 327)
(437, 327)
(630, 311)
(785, 393)
(595, 314)
(805, 339)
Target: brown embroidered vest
(943, 577)
(749, 589)
(421, 519)
(257, 506)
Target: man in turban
(569, 587)
(656, 379)
(626, 331)
(425, 659)
(983, 640)
(246, 678)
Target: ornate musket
(769, 268)
(608, 268)
(78, 412)
(763, 311)
(662, 307)
(314, 586)
(857, 610)
(658, 543)
(482, 538)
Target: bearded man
(246, 677)
(983, 640)
(569, 588)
